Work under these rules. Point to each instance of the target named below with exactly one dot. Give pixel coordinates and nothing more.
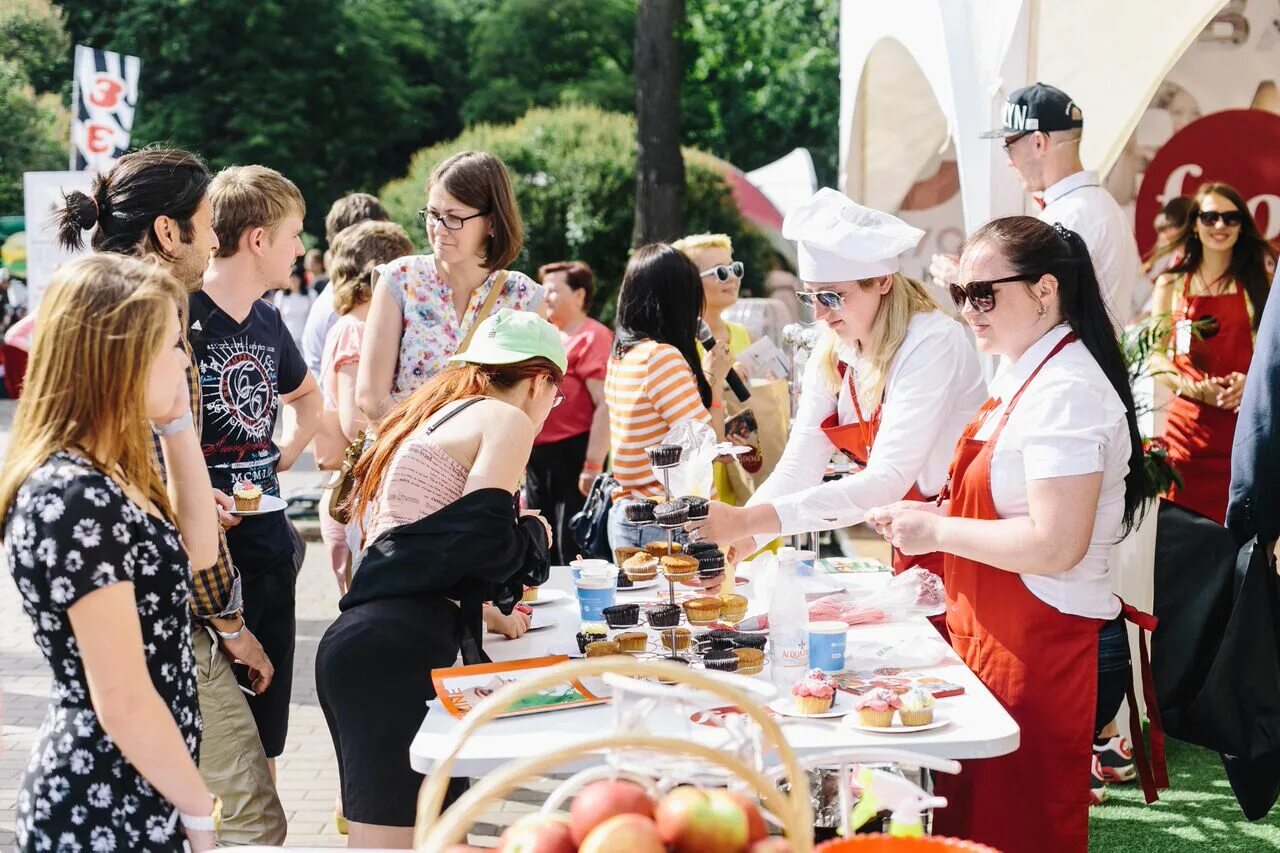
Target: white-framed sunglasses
(829, 299)
(725, 271)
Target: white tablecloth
(979, 727)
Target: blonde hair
(101, 326)
(246, 197)
(695, 242)
(354, 254)
(906, 297)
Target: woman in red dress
(1214, 294)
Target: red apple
(630, 832)
(756, 827)
(772, 845)
(695, 822)
(537, 833)
(602, 800)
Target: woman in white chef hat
(891, 384)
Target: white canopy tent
(916, 73)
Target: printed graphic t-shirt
(244, 368)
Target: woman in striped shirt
(655, 378)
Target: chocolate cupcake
(640, 512)
(663, 455)
(663, 615)
(710, 560)
(590, 634)
(721, 661)
(702, 546)
(750, 641)
(622, 615)
(625, 582)
(716, 640)
(672, 513)
(698, 507)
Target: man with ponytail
(891, 384)
(1046, 479)
(154, 204)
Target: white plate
(548, 596)
(785, 706)
(269, 503)
(853, 721)
(538, 625)
(639, 585)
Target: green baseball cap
(511, 336)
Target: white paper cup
(826, 645)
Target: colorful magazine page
(849, 566)
(461, 688)
(898, 680)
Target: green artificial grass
(1198, 812)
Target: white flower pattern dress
(71, 531)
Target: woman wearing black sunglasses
(1213, 294)
(1046, 479)
(891, 385)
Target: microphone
(736, 384)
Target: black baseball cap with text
(1038, 107)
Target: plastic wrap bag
(915, 592)
(913, 653)
(697, 442)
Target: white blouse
(1069, 422)
(935, 386)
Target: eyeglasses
(829, 299)
(981, 294)
(1009, 141)
(725, 271)
(1230, 218)
(429, 219)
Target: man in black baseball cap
(1037, 108)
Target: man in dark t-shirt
(248, 367)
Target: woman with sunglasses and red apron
(1215, 293)
(1046, 479)
(891, 384)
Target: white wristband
(175, 426)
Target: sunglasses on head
(1230, 218)
(828, 299)
(725, 271)
(981, 294)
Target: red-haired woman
(436, 496)
(1215, 293)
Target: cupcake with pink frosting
(814, 693)
(876, 707)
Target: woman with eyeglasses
(890, 385)
(1047, 478)
(1213, 294)
(424, 305)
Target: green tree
(33, 37)
(763, 77)
(529, 53)
(574, 174)
(334, 93)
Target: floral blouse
(432, 332)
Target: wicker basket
(792, 810)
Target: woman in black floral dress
(102, 557)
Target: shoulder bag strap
(466, 404)
(486, 309)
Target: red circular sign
(1236, 147)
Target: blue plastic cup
(597, 588)
(826, 645)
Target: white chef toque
(838, 239)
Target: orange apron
(1199, 435)
(1042, 666)
(855, 441)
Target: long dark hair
(126, 201)
(1034, 249)
(661, 300)
(1248, 256)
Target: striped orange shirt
(648, 391)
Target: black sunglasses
(1230, 218)
(829, 299)
(1009, 141)
(725, 271)
(981, 294)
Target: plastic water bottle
(788, 623)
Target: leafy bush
(574, 173)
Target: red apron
(1199, 435)
(1040, 663)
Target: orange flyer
(461, 688)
